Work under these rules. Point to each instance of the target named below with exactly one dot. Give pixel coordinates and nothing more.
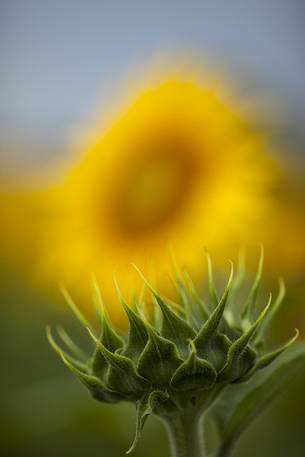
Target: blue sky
(57, 56)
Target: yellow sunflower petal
(178, 166)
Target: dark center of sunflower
(155, 187)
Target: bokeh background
(60, 60)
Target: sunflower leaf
(239, 404)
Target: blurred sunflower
(178, 165)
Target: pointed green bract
(266, 359)
(108, 336)
(249, 310)
(158, 360)
(274, 308)
(68, 359)
(212, 288)
(194, 374)
(76, 311)
(144, 408)
(195, 297)
(77, 351)
(240, 274)
(208, 341)
(97, 299)
(174, 327)
(96, 387)
(180, 287)
(111, 341)
(122, 375)
(240, 357)
(138, 335)
(185, 359)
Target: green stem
(185, 435)
(223, 451)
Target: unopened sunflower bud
(178, 367)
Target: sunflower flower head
(181, 359)
(177, 165)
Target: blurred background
(60, 61)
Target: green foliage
(198, 359)
(239, 404)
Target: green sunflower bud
(181, 365)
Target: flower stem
(223, 451)
(185, 435)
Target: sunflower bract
(183, 362)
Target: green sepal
(137, 337)
(99, 363)
(173, 327)
(95, 386)
(249, 308)
(64, 355)
(238, 280)
(180, 288)
(225, 328)
(240, 357)
(144, 408)
(210, 326)
(273, 310)
(122, 375)
(108, 337)
(159, 359)
(210, 344)
(240, 362)
(70, 344)
(194, 374)
(266, 359)
(216, 350)
(76, 311)
(211, 284)
(198, 301)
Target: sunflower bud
(183, 357)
